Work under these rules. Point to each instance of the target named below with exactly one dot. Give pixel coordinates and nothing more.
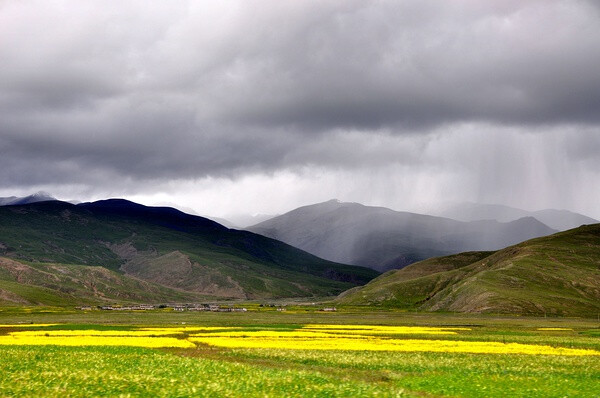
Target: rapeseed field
(302, 360)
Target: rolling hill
(163, 246)
(553, 275)
(384, 239)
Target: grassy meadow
(300, 352)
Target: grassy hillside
(554, 275)
(63, 284)
(167, 247)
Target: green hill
(553, 275)
(168, 248)
(61, 284)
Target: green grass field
(211, 370)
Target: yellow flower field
(273, 334)
(555, 329)
(104, 333)
(379, 330)
(367, 338)
(307, 337)
(187, 329)
(148, 342)
(299, 359)
(88, 337)
(375, 344)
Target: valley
(113, 297)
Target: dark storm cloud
(417, 65)
(91, 92)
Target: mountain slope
(383, 239)
(557, 274)
(560, 220)
(171, 248)
(61, 284)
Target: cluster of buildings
(174, 307)
(183, 307)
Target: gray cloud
(417, 65)
(105, 94)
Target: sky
(263, 106)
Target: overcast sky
(263, 106)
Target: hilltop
(553, 275)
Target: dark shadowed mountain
(166, 247)
(552, 275)
(36, 197)
(384, 239)
(561, 220)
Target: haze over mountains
(560, 220)
(241, 221)
(553, 275)
(384, 239)
(33, 198)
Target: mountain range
(116, 251)
(163, 247)
(553, 275)
(383, 239)
(560, 220)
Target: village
(174, 307)
(182, 307)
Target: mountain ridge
(102, 232)
(560, 220)
(383, 239)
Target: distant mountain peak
(40, 196)
(557, 219)
(334, 203)
(382, 238)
